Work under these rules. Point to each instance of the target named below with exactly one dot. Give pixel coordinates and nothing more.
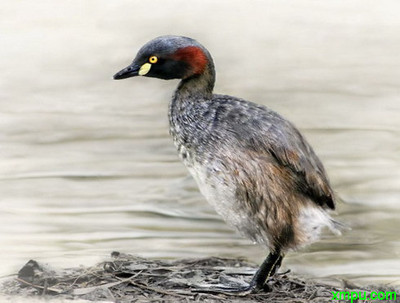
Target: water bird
(251, 164)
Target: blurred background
(87, 165)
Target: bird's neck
(197, 86)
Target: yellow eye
(153, 59)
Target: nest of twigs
(127, 278)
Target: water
(87, 165)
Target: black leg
(267, 269)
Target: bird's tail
(338, 227)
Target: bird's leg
(267, 269)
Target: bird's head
(168, 57)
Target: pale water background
(87, 165)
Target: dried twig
(39, 287)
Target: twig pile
(127, 278)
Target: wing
(267, 133)
(291, 150)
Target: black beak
(130, 71)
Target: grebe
(252, 165)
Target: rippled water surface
(87, 165)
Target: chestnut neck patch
(194, 57)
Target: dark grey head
(168, 57)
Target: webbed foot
(258, 283)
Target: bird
(252, 165)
